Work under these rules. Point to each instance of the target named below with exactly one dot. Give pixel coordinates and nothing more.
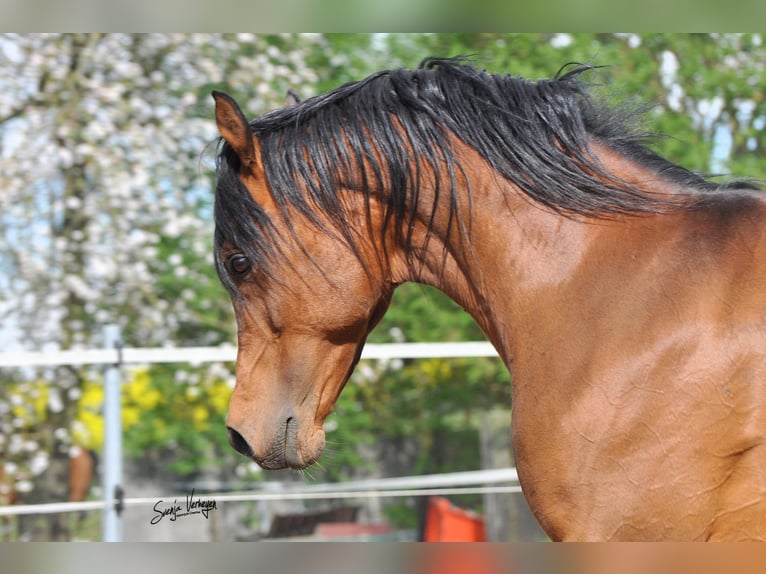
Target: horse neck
(512, 261)
(501, 270)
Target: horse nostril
(238, 443)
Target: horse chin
(284, 461)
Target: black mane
(397, 125)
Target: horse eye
(239, 264)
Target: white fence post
(112, 526)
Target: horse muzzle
(287, 448)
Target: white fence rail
(198, 355)
(468, 482)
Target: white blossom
(669, 76)
(23, 486)
(39, 463)
(55, 404)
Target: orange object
(81, 469)
(350, 530)
(448, 523)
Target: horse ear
(233, 127)
(291, 99)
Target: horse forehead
(258, 188)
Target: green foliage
(179, 418)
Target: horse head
(304, 304)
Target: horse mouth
(286, 451)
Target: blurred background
(107, 146)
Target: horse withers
(625, 294)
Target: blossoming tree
(105, 203)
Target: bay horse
(625, 294)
